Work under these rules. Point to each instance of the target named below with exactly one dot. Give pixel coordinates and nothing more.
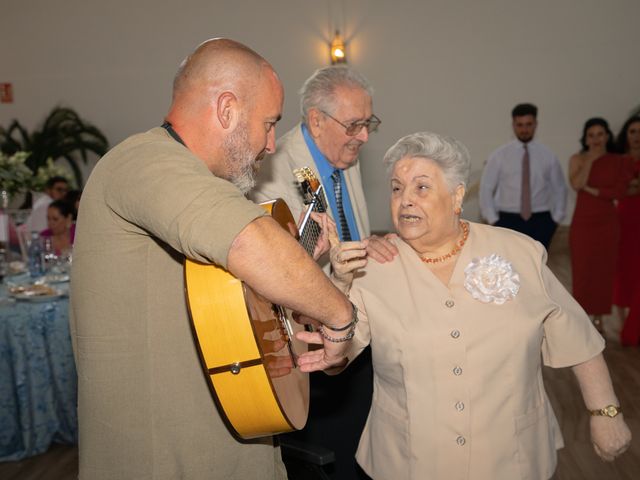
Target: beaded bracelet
(346, 338)
(352, 323)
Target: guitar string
(310, 237)
(312, 233)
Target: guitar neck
(310, 231)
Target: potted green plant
(63, 134)
(15, 176)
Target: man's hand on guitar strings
(304, 320)
(320, 359)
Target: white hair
(448, 153)
(318, 90)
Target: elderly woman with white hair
(460, 323)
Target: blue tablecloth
(38, 382)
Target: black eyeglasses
(371, 124)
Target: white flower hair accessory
(491, 279)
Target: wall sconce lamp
(338, 50)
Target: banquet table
(38, 383)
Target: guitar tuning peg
(298, 174)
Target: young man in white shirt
(523, 186)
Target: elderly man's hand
(327, 229)
(381, 249)
(610, 436)
(346, 258)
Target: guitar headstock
(308, 182)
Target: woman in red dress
(627, 285)
(600, 178)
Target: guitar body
(248, 349)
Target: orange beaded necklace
(456, 249)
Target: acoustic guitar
(247, 344)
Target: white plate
(36, 298)
(56, 278)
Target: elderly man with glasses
(337, 118)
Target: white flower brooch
(491, 279)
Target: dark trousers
(540, 226)
(337, 414)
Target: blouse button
(449, 303)
(460, 440)
(455, 333)
(459, 406)
(457, 371)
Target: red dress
(630, 334)
(594, 234)
(627, 278)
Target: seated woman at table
(61, 228)
(73, 198)
(459, 324)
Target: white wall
(455, 67)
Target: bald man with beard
(175, 192)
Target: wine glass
(49, 256)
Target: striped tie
(337, 191)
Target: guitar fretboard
(309, 230)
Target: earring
(458, 210)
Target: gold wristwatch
(608, 411)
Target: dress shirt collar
(325, 169)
